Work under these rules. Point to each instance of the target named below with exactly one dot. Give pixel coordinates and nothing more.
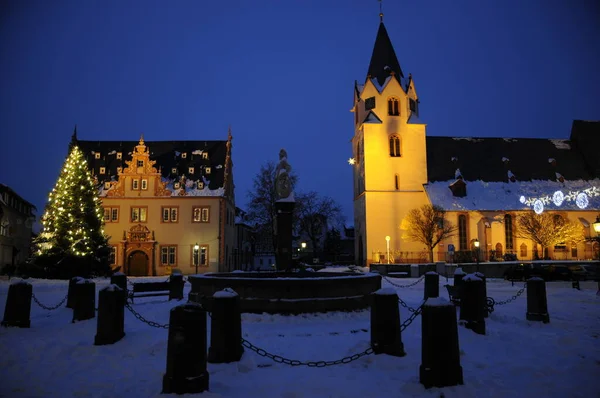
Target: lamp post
(476, 244)
(387, 243)
(596, 226)
(196, 249)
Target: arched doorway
(137, 264)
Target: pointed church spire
(73, 139)
(383, 60)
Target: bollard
(459, 274)
(176, 287)
(120, 279)
(537, 304)
(440, 353)
(225, 328)
(111, 316)
(186, 351)
(482, 277)
(385, 323)
(18, 305)
(85, 300)
(575, 284)
(70, 291)
(472, 304)
(432, 285)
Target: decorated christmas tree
(72, 240)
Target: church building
(483, 184)
(167, 204)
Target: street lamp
(596, 226)
(476, 244)
(196, 249)
(387, 242)
(303, 244)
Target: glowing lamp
(596, 225)
(476, 243)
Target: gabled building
(167, 204)
(482, 183)
(17, 217)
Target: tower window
(102, 170)
(394, 146)
(190, 170)
(207, 170)
(204, 155)
(119, 155)
(97, 155)
(393, 107)
(413, 105)
(370, 103)
(184, 155)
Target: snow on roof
(457, 173)
(467, 139)
(483, 195)
(505, 159)
(380, 88)
(561, 144)
(197, 152)
(414, 119)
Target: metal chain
(402, 303)
(141, 318)
(412, 316)
(403, 286)
(46, 307)
(310, 364)
(513, 298)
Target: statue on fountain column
(283, 185)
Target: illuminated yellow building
(482, 183)
(163, 198)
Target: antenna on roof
(380, 11)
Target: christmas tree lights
(73, 221)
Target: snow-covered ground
(517, 358)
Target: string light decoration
(581, 199)
(73, 223)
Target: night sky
(281, 73)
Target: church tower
(389, 155)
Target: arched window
(462, 232)
(394, 146)
(523, 253)
(498, 250)
(397, 182)
(358, 152)
(393, 107)
(508, 232)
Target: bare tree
(315, 213)
(262, 198)
(548, 229)
(428, 226)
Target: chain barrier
(513, 298)
(414, 314)
(403, 286)
(310, 364)
(45, 306)
(402, 303)
(141, 318)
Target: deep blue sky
(281, 74)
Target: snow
(550, 160)
(438, 302)
(561, 144)
(225, 293)
(457, 173)
(197, 152)
(386, 291)
(57, 358)
(483, 195)
(113, 152)
(459, 271)
(290, 198)
(119, 273)
(467, 139)
(380, 88)
(112, 288)
(504, 159)
(431, 273)
(471, 277)
(535, 278)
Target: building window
(190, 170)
(168, 255)
(396, 182)
(202, 256)
(97, 155)
(135, 185)
(140, 163)
(102, 170)
(204, 155)
(176, 185)
(523, 251)
(144, 184)
(184, 155)
(574, 250)
(207, 169)
(393, 109)
(119, 170)
(201, 214)
(413, 105)
(462, 232)
(107, 185)
(112, 255)
(111, 214)
(200, 185)
(174, 170)
(119, 155)
(508, 232)
(170, 214)
(394, 146)
(138, 214)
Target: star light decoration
(581, 199)
(351, 161)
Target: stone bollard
(111, 316)
(18, 305)
(70, 291)
(385, 323)
(432, 285)
(537, 304)
(120, 279)
(225, 328)
(472, 304)
(176, 287)
(482, 277)
(459, 274)
(85, 300)
(440, 353)
(186, 351)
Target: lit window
(112, 255)
(508, 232)
(107, 185)
(144, 184)
(135, 184)
(119, 170)
(462, 232)
(202, 254)
(204, 155)
(102, 170)
(169, 214)
(97, 155)
(184, 155)
(201, 214)
(393, 108)
(138, 214)
(200, 185)
(394, 146)
(191, 170)
(119, 155)
(168, 255)
(176, 185)
(207, 170)
(111, 214)
(174, 170)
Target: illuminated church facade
(483, 184)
